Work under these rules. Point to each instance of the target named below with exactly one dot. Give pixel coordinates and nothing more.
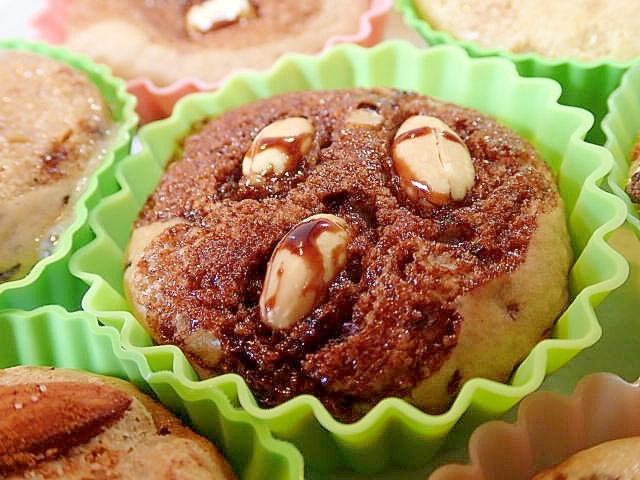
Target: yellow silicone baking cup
(584, 84)
(49, 280)
(393, 433)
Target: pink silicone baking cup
(156, 102)
(550, 427)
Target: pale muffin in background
(170, 40)
(54, 127)
(60, 423)
(577, 29)
(615, 459)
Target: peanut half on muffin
(166, 41)
(62, 423)
(54, 127)
(352, 244)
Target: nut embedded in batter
(278, 147)
(364, 117)
(432, 161)
(301, 267)
(211, 14)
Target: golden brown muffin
(580, 29)
(352, 244)
(616, 459)
(61, 423)
(53, 128)
(168, 40)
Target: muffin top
(303, 242)
(168, 40)
(65, 423)
(53, 127)
(578, 29)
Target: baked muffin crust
(70, 424)
(139, 38)
(617, 458)
(580, 29)
(418, 277)
(54, 126)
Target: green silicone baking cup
(49, 280)
(393, 433)
(51, 336)
(584, 84)
(621, 127)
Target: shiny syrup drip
(403, 171)
(302, 241)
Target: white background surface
(15, 17)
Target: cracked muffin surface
(352, 244)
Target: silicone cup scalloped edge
(393, 432)
(549, 428)
(155, 101)
(621, 126)
(49, 281)
(51, 336)
(586, 84)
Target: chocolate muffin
(64, 423)
(352, 244)
(54, 129)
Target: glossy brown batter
(392, 315)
